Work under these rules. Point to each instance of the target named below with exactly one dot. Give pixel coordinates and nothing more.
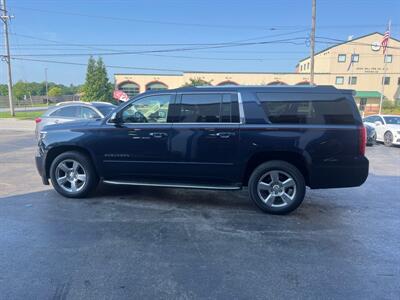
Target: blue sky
(54, 29)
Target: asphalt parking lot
(147, 243)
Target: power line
(165, 70)
(158, 44)
(236, 27)
(280, 41)
(108, 66)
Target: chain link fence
(37, 101)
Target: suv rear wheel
(277, 187)
(72, 175)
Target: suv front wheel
(277, 187)
(72, 175)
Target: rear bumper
(340, 176)
(40, 166)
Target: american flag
(385, 41)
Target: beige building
(357, 64)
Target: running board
(171, 185)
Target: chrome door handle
(158, 135)
(225, 135)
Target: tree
(22, 89)
(97, 86)
(55, 91)
(197, 82)
(3, 90)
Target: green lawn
(22, 115)
(391, 111)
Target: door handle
(225, 135)
(158, 135)
(56, 121)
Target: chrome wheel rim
(276, 188)
(70, 176)
(388, 138)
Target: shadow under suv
(275, 140)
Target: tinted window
(209, 108)
(88, 113)
(67, 112)
(392, 120)
(106, 109)
(200, 108)
(373, 119)
(230, 108)
(307, 112)
(152, 109)
(370, 119)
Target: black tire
(388, 139)
(85, 167)
(282, 167)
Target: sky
(172, 36)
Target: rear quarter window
(292, 111)
(66, 112)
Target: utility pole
(5, 17)
(47, 87)
(312, 44)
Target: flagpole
(384, 70)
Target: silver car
(72, 111)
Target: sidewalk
(16, 125)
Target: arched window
(228, 82)
(303, 83)
(277, 83)
(156, 86)
(130, 88)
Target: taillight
(38, 120)
(362, 139)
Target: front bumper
(40, 166)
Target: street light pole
(5, 17)
(312, 44)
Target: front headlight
(42, 135)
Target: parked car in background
(274, 140)
(71, 111)
(371, 135)
(387, 128)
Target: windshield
(392, 120)
(106, 109)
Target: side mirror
(378, 123)
(114, 118)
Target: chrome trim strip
(177, 123)
(187, 186)
(165, 162)
(241, 110)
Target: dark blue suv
(275, 140)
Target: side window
(88, 113)
(209, 108)
(379, 119)
(369, 119)
(67, 112)
(152, 109)
(338, 112)
(230, 109)
(200, 108)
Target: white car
(387, 128)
